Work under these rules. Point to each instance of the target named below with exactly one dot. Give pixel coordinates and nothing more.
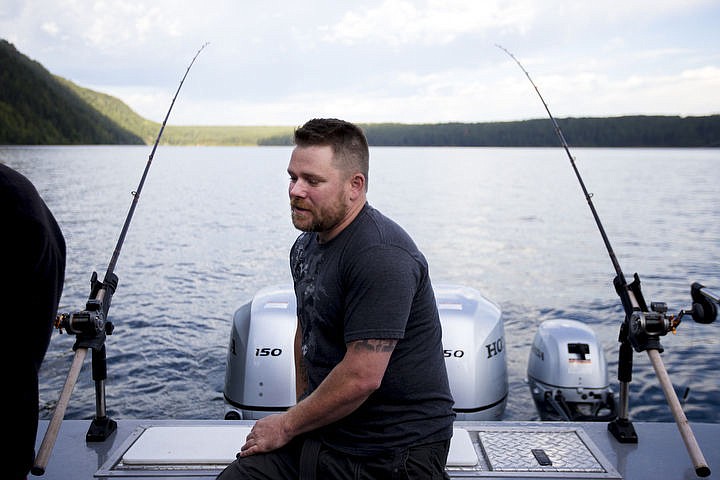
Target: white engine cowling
(260, 374)
(567, 373)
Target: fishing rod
(91, 326)
(641, 328)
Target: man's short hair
(347, 140)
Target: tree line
(627, 131)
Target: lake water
(213, 227)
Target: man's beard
(318, 220)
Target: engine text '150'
(268, 352)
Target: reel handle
(705, 304)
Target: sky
(282, 62)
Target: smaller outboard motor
(567, 373)
(260, 371)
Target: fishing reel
(90, 326)
(89, 322)
(645, 327)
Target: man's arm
(345, 388)
(301, 378)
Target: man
(373, 393)
(32, 273)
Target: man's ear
(357, 184)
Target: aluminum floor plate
(516, 452)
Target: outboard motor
(260, 370)
(567, 373)
(474, 348)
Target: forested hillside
(38, 108)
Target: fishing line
(642, 327)
(136, 193)
(588, 196)
(91, 328)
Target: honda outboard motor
(260, 371)
(474, 348)
(567, 373)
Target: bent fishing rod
(641, 327)
(91, 326)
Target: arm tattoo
(375, 345)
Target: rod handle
(43, 455)
(696, 456)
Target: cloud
(402, 22)
(125, 24)
(280, 61)
(50, 28)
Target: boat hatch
(476, 452)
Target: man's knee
(254, 467)
(278, 464)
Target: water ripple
(213, 228)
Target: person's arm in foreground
(347, 386)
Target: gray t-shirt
(371, 282)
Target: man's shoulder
(384, 230)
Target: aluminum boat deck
(199, 449)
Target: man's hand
(267, 434)
(345, 388)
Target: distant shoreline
(39, 108)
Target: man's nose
(297, 189)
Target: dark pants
(424, 462)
